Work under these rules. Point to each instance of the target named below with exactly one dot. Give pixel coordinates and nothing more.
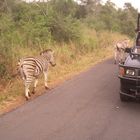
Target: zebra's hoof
(27, 98)
(33, 92)
(47, 88)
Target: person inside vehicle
(138, 42)
(137, 46)
(138, 39)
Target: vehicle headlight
(130, 72)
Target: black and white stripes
(31, 67)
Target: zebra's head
(48, 54)
(126, 42)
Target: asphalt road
(87, 107)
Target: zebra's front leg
(121, 57)
(35, 84)
(46, 78)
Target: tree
(128, 18)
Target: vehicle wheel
(124, 98)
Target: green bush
(33, 26)
(3, 70)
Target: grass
(71, 59)
(14, 92)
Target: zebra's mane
(45, 51)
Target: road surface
(86, 107)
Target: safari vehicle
(129, 70)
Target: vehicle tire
(124, 98)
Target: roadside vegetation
(81, 34)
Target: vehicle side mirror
(128, 50)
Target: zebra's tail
(20, 69)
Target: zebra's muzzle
(53, 64)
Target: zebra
(31, 67)
(119, 52)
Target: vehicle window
(138, 43)
(136, 49)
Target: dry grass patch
(71, 59)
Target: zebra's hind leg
(35, 84)
(115, 57)
(27, 94)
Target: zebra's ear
(41, 52)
